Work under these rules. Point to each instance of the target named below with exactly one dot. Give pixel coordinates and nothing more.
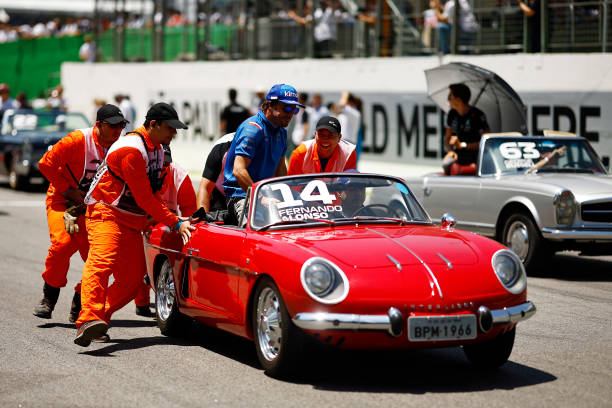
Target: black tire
(522, 236)
(17, 181)
(493, 353)
(277, 340)
(170, 320)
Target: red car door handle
(193, 251)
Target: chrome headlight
(565, 207)
(509, 270)
(324, 281)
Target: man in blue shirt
(258, 149)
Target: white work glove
(70, 222)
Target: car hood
(583, 186)
(37, 137)
(367, 246)
(410, 262)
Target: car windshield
(46, 121)
(334, 199)
(502, 155)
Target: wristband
(178, 224)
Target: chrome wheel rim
(269, 324)
(517, 239)
(13, 179)
(165, 292)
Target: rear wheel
(276, 337)
(493, 353)
(170, 320)
(521, 235)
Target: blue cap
(284, 93)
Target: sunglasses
(291, 109)
(119, 125)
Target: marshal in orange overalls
(70, 164)
(118, 204)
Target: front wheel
(170, 320)
(17, 181)
(493, 353)
(521, 235)
(276, 338)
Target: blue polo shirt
(263, 144)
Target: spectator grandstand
(36, 36)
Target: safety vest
(336, 162)
(92, 161)
(154, 162)
(174, 179)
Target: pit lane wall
(404, 129)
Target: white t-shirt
(325, 25)
(87, 52)
(129, 113)
(350, 120)
(467, 20)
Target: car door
(458, 195)
(216, 252)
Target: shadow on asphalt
(114, 323)
(413, 371)
(327, 369)
(572, 267)
(197, 335)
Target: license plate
(433, 328)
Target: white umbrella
(491, 94)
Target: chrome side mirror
(448, 220)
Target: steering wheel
(388, 210)
(579, 163)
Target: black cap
(110, 114)
(163, 111)
(330, 123)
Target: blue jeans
(443, 37)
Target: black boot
(75, 308)
(47, 304)
(144, 311)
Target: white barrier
(570, 92)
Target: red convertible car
(351, 260)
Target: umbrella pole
(480, 93)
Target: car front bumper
(392, 323)
(577, 234)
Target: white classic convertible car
(536, 195)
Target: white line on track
(22, 203)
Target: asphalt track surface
(562, 356)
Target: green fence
(33, 66)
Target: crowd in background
(54, 100)
(36, 27)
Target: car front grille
(597, 212)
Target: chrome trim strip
(356, 322)
(431, 274)
(172, 251)
(513, 314)
(448, 263)
(555, 233)
(341, 321)
(397, 264)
